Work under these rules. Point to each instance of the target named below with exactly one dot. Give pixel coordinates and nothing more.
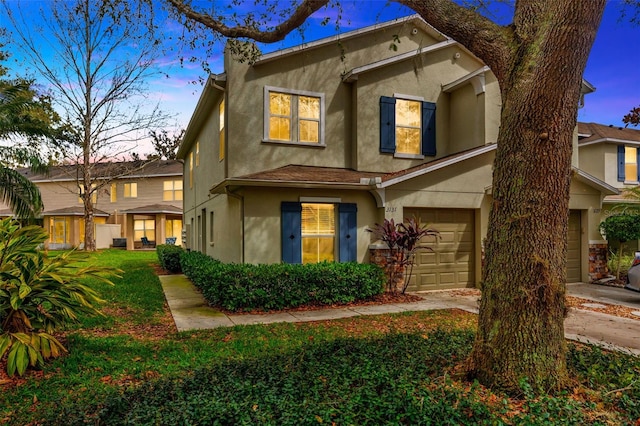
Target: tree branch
(299, 16)
(490, 42)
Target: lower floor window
(59, 230)
(173, 229)
(318, 233)
(144, 228)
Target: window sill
(304, 144)
(627, 182)
(408, 156)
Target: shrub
(622, 228)
(279, 286)
(39, 295)
(169, 257)
(403, 240)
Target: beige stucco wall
(423, 77)
(593, 158)
(466, 120)
(226, 244)
(262, 227)
(346, 104)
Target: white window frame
(294, 117)
(415, 99)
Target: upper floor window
(628, 160)
(221, 133)
(130, 190)
(94, 194)
(407, 127)
(172, 190)
(293, 116)
(114, 193)
(197, 154)
(191, 170)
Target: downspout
(240, 198)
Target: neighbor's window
(408, 132)
(114, 192)
(318, 233)
(94, 194)
(221, 132)
(630, 163)
(173, 228)
(130, 190)
(197, 154)
(191, 170)
(172, 190)
(294, 116)
(144, 228)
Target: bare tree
(538, 60)
(97, 57)
(165, 146)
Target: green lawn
(131, 367)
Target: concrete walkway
(190, 311)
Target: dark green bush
(279, 286)
(169, 257)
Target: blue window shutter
(291, 232)
(621, 163)
(387, 125)
(428, 129)
(347, 223)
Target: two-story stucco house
(293, 157)
(611, 154)
(137, 200)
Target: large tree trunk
(522, 310)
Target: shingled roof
(128, 169)
(590, 133)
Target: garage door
(451, 264)
(573, 247)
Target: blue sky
(612, 68)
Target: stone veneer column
(598, 258)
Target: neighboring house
(137, 200)
(611, 154)
(293, 157)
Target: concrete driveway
(605, 330)
(605, 294)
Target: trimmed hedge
(238, 287)
(169, 257)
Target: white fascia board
(202, 108)
(595, 182)
(268, 57)
(353, 74)
(455, 85)
(610, 140)
(441, 165)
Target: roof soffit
(211, 93)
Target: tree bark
(522, 310)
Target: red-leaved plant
(403, 241)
